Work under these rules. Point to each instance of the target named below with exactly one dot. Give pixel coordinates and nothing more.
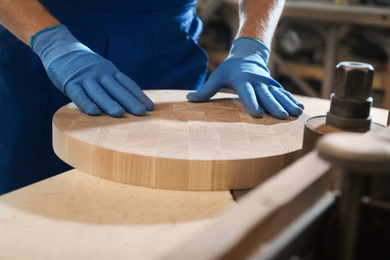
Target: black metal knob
(351, 101)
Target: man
(100, 54)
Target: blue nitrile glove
(92, 82)
(245, 71)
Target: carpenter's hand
(92, 82)
(245, 71)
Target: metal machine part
(360, 157)
(350, 105)
(351, 101)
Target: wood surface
(180, 145)
(259, 217)
(316, 127)
(78, 216)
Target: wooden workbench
(78, 216)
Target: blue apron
(153, 42)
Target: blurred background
(311, 38)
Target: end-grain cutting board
(180, 145)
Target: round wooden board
(180, 145)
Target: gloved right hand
(245, 71)
(92, 82)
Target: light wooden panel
(260, 216)
(214, 145)
(77, 216)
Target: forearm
(259, 18)
(24, 18)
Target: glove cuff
(53, 42)
(249, 46)
(32, 38)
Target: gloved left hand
(245, 71)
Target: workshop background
(307, 46)
(321, 207)
(312, 37)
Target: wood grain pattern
(180, 145)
